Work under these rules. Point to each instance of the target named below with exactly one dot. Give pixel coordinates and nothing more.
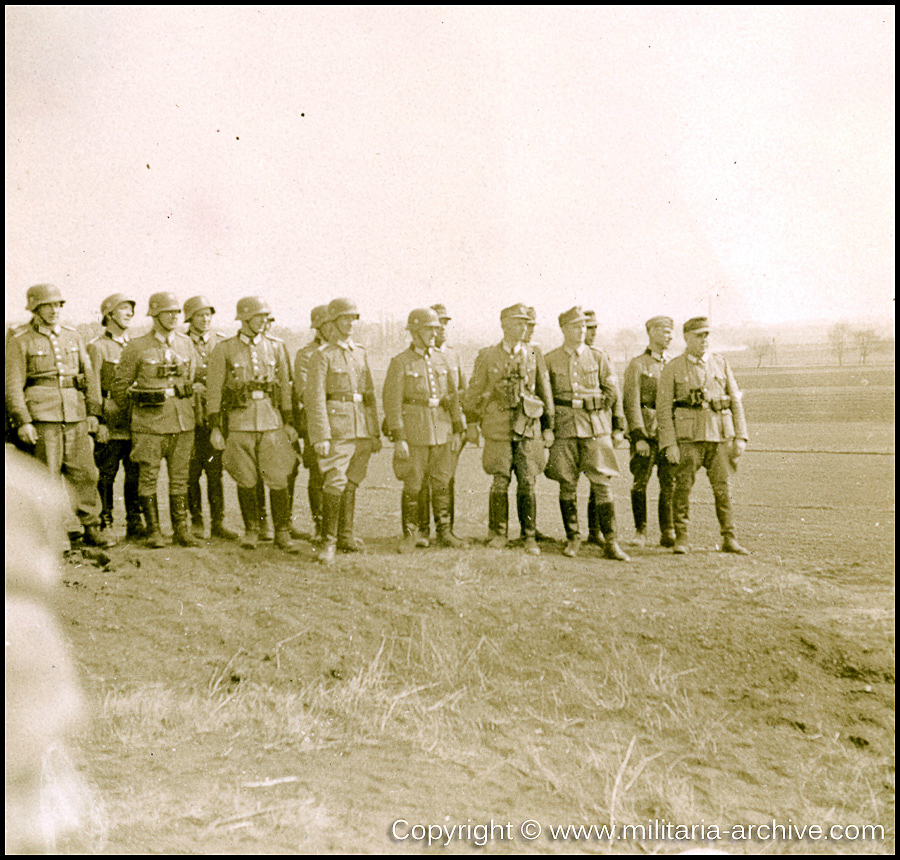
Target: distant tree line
(843, 338)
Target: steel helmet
(160, 302)
(318, 316)
(110, 303)
(423, 318)
(342, 307)
(194, 304)
(249, 306)
(42, 294)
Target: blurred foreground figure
(43, 701)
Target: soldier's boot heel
(180, 519)
(498, 520)
(595, 536)
(150, 507)
(526, 505)
(281, 514)
(331, 512)
(568, 509)
(94, 535)
(346, 541)
(409, 515)
(250, 515)
(441, 500)
(612, 550)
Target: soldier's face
(440, 333)
(697, 343)
(258, 323)
(49, 313)
(167, 319)
(574, 333)
(590, 335)
(202, 320)
(660, 337)
(122, 314)
(344, 324)
(513, 329)
(425, 336)
(529, 331)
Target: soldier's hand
(548, 437)
(217, 439)
(472, 434)
(376, 444)
(401, 450)
(93, 425)
(455, 442)
(291, 433)
(618, 439)
(28, 434)
(323, 449)
(102, 436)
(642, 448)
(673, 455)
(737, 448)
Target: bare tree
(627, 340)
(839, 340)
(866, 341)
(760, 349)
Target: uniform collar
(578, 350)
(250, 340)
(166, 340)
(198, 337)
(700, 362)
(659, 356)
(120, 339)
(518, 349)
(346, 345)
(418, 350)
(47, 330)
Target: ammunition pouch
(719, 404)
(184, 390)
(164, 371)
(145, 397)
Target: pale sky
(635, 160)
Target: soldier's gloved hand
(291, 433)
(102, 436)
(376, 444)
(642, 448)
(618, 439)
(199, 388)
(93, 425)
(28, 434)
(455, 442)
(548, 437)
(673, 455)
(401, 450)
(472, 434)
(323, 449)
(737, 448)
(217, 439)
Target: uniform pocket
(684, 426)
(40, 362)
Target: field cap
(662, 322)
(573, 315)
(441, 311)
(515, 312)
(591, 319)
(696, 325)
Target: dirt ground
(251, 702)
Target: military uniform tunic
(51, 385)
(421, 407)
(339, 397)
(249, 391)
(156, 378)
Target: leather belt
(574, 403)
(346, 398)
(258, 395)
(53, 382)
(433, 402)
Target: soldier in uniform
(318, 321)
(155, 378)
(424, 420)
(615, 414)
(584, 389)
(639, 401)
(113, 442)
(53, 399)
(198, 314)
(249, 397)
(342, 418)
(701, 423)
(459, 378)
(509, 397)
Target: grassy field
(248, 702)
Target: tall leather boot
(331, 514)
(724, 513)
(498, 519)
(666, 517)
(266, 532)
(195, 507)
(216, 494)
(424, 514)
(281, 515)
(296, 534)
(451, 489)
(346, 541)
(612, 550)
(105, 489)
(178, 511)
(526, 507)
(249, 505)
(134, 520)
(639, 511)
(314, 494)
(410, 519)
(569, 510)
(440, 497)
(595, 535)
(150, 507)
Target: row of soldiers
(206, 403)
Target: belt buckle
(257, 395)
(357, 398)
(577, 402)
(434, 402)
(170, 392)
(705, 405)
